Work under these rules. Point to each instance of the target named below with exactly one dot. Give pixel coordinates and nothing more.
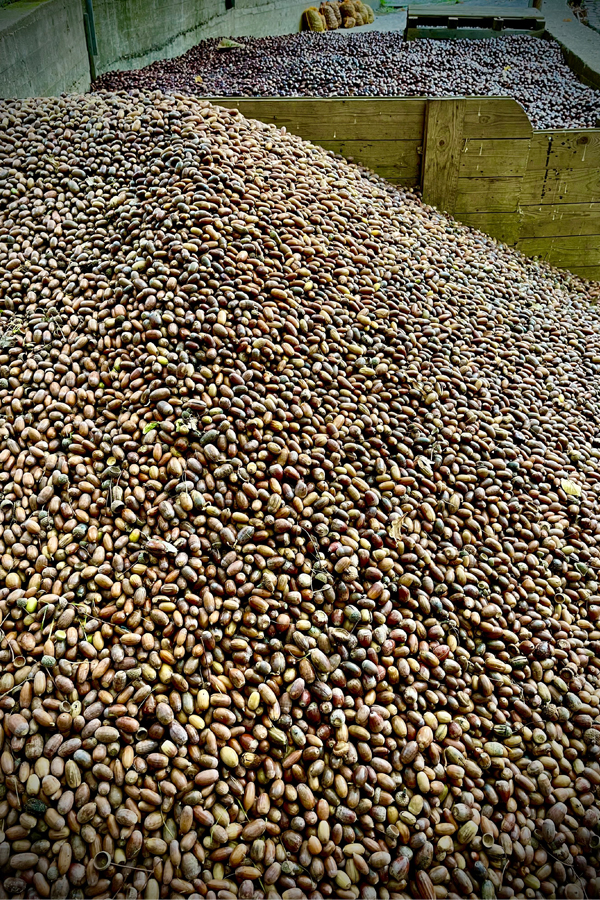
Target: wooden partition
(477, 158)
(384, 135)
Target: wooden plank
(495, 117)
(564, 251)
(441, 151)
(475, 195)
(560, 220)
(343, 119)
(352, 118)
(396, 161)
(477, 12)
(502, 226)
(401, 177)
(591, 273)
(553, 186)
(539, 150)
(489, 158)
(576, 149)
(463, 32)
(397, 153)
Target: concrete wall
(133, 33)
(42, 49)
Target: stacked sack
(313, 19)
(332, 15)
(355, 12)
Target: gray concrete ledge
(580, 44)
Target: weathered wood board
(472, 21)
(341, 119)
(476, 158)
(495, 117)
(505, 226)
(482, 195)
(396, 161)
(564, 251)
(502, 158)
(443, 141)
(565, 149)
(560, 220)
(551, 186)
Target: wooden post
(442, 146)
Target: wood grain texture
(539, 150)
(401, 177)
(560, 220)
(575, 149)
(564, 251)
(495, 117)
(343, 119)
(478, 195)
(396, 161)
(494, 158)
(442, 145)
(591, 273)
(552, 186)
(504, 227)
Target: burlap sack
(329, 16)
(362, 10)
(313, 19)
(336, 9)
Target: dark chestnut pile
(530, 70)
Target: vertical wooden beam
(442, 147)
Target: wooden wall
(560, 200)
(384, 135)
(477, 158)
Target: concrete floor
(580, 43)
(386, 21)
